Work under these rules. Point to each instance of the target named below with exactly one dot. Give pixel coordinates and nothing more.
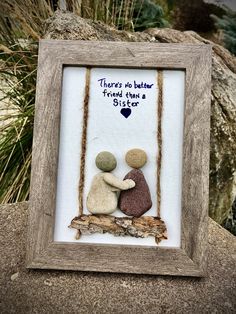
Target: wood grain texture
(141, 227)
(42, 251)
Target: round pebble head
(105, 161)
(136, 158)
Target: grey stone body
(103, 194)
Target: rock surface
(102, 197)
(106, 161)
(136, 158)
(43, 291)
(223, 117)
(137, 201)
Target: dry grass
(21, 26)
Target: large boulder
(65, 25)
(43, 291)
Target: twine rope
(84, 141)
(159, 137)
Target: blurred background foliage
(22, 25)
(227, 25)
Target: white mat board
(109, 130)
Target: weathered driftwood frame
(42, 251)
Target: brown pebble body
(137, 201)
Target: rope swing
(84, 140)
(159, 137)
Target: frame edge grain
(42, 252)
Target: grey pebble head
(106, 161)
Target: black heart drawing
(126, 112)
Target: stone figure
(137, 201)
(103, 194)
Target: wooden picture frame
(190, 258)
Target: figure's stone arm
(120, 184)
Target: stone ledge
(38, 291)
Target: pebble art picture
(119, 173)
(120, 158)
